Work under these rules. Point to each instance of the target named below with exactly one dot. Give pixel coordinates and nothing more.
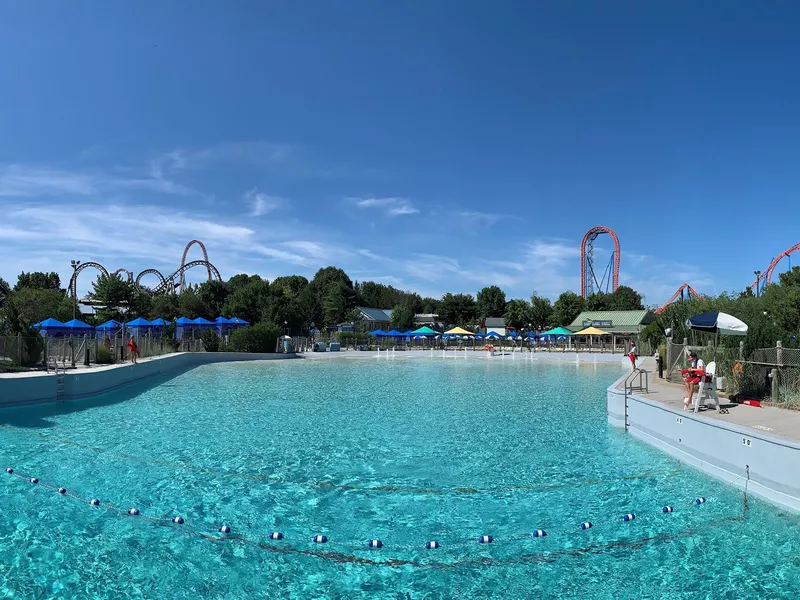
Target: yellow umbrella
(459, 331)
(591, 331)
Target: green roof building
(618, 322)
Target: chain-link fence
(767, 373)
(43, 352)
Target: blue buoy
(540, 533)
(10, 471)
(667, 509)
(700, 500)
(432, 545)
(224, 529)
(375, 544)
(485, 539)
(178, 520)
(133, 511)
(320, 539)
(94, 502)
(629, 517)
(276, 535)
(62, 490)
(587, 525)
(34, 480)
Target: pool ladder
(60, 371)
(632, 385)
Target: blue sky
(436, 146)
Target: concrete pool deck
(39, 387)
(754, 446)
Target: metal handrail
(629, 381)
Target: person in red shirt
(133, 349)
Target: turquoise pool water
(405, 451)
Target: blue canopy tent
(76, 327)
(184, 325)
(493, 335)
(479, 336)
(204, 323)
(376, 333)
(109, 328)
(223, 325)
(159, 322)
(238, 323)
(138, 326)
(395, 333)
(51, 327)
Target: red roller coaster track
(766, 275)
(690, 291)
(587, 261)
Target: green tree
(790, 278)
(599, 301)
(568, 306)
(38, 280)
(165, 306)
(402, 318)
(239, 281)
(248, 301)
(141, 305)
(327, 277)
(114, 294)
(31, 305)
(338, 302)
(430, 306)
(458, 309)
(626, 298)
(517, 314)
(295, 284)
(191, 305)
(5, 289)
(541, 312)
(491, 302)
(213, 294)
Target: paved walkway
(774, 421)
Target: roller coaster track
(766, 275)
(183, 261)
(128, 273)
(588, 277)
(689, 290)
(164, 287)
(162, 282)
(165, 284)
(73, 282)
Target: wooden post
(780, 353)
(19, 349)
(775, 389)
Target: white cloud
(394, 206)
(473, 218)
(261, 203)
(24, 181)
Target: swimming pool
(404, 451)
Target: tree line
(296, 305)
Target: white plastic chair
(707, 388)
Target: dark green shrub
(103, 355)
(262, 337)
(211, 341)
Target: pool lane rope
(225, 530)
